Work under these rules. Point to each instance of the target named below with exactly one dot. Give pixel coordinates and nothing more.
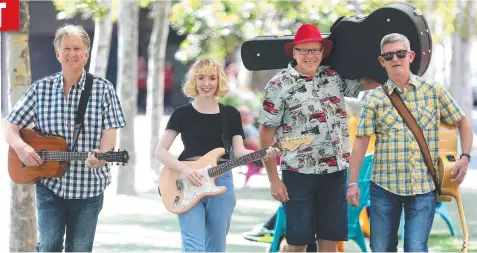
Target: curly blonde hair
(205, 66)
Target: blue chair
(354, 228)
(355, 232)
(441, 209)
(280, 227)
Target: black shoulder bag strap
(225, 128)
(82, 108)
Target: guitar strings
(222, 168)
(63, 156)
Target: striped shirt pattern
(398, 163)
(45, 106)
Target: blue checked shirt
(45, 106)
(398, 163)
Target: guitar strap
(79, 126)
(411, 123)
(225, 128)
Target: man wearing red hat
(308, 99)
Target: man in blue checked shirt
(400, 178)
(70, 203)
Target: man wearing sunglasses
(400, 178)
(308, 99)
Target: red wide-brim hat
(308, 33)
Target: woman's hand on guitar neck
(272, 153)
(28, 156)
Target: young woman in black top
(204, 228)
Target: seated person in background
(249, 129)
(251, 142)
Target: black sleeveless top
(200, 132)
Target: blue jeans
(204, 228)
(385, 214)
(77, 216)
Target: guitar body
(22, 174)
(182, 200)
(446, 162)
(356, 44)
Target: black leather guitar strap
(225, 128)
(82, 108)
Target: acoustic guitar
(53, 150)
(446, 162)
(356, 43)
(179, 195)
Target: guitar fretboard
(226, 166)
(65, 156)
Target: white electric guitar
(179, 195)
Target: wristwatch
(465, 154)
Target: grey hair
(71, 30)
(395, 37)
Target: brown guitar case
(356, 43)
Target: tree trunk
(430, 73)
(155, 77)
(23, 230)
(460, 63)
(103, 28)
(128, 22)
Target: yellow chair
(352, 126)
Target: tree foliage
(217, 28)
(88, 8)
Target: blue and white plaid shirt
(44, 105)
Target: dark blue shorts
(317, 208)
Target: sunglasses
(390, 55)
(305, 51)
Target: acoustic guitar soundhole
(43, 154)
(450, 158)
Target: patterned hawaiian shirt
(398, 164)
(297, 105)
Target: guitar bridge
(180, 185)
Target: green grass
(445, 243)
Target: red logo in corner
(9, 15)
